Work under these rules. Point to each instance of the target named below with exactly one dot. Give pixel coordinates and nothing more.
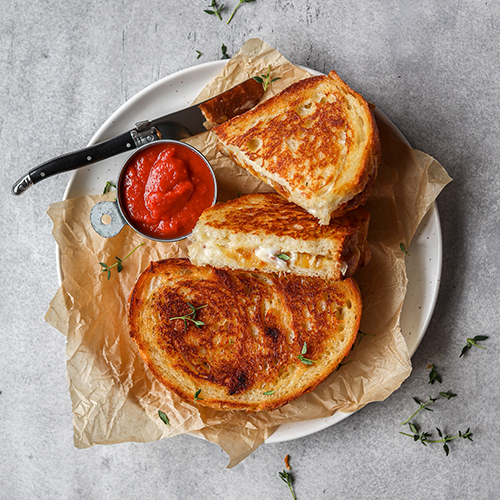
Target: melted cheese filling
(267, 257)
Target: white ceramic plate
(177, 91)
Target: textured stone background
(431, 66)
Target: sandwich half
(265, 232)
(316, 143)
(238, 340)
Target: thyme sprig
(265, 80)
(423, 405)
(237, 7)
(287, 478)
(474, 342)
(423, 437)
(191, 316)
(118, 264)
(107, 187)
(215, 10)
(302, 358)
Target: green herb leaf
(191, 316)
(163, 417)
(287, 478)
(265, 80)
(196, 396)
(237, 7)
(474, 342)
(118, 264)
(107, 187)
(434, 376)
(268, 393)
(224, 52)
(421, 407)
(303, 359)
(447, 395)
(215, 10)
(199, 54)
(403, 249)
(283, 256)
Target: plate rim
(315, 425)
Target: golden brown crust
(272, 214)
(316, 143)
(255, 326)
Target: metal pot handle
(117, 221)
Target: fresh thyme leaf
(224, 52)
(215, 10)
(268, 393)
(199, 54)
(283, 256)
(473, 342)
(403, 249)
(287, 478)
(434, 376)
(265, 80)
(196, 395)
(107, 187)
(447, 395)
(191, 316)
(118, 264)
(421, 407)
(237, 7)
(163, 417)
(303, 359)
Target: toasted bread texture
(268, 233)
(261, 340)
(316, 143)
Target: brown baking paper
(114, 396)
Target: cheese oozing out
(267, 258)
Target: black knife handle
(128, 141)
(76, 159)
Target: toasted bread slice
(266, 232)
(261, 340)
(316, 143)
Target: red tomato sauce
(164, 190)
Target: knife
(178, 125)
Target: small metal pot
(115, 209)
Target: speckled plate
(177, 91)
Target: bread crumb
(287, 465)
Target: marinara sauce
(165, 188)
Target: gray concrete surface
(431, 66)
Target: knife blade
(177, 125)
